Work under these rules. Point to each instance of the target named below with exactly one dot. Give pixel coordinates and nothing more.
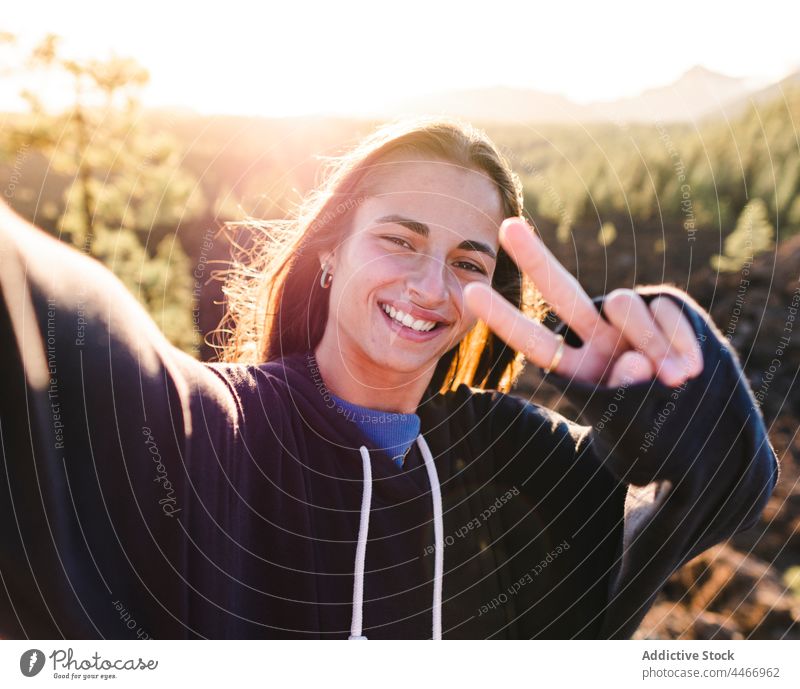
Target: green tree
(752, 235)
(125, 182)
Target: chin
(406, 362)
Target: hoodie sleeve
(696, 460)
(95, 424)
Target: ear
(325, 257)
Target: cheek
(362, 275)
(376, 272)
(391, 265)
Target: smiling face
(425, 230)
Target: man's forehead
(473, 194)
(419, 174)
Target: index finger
(557, 285)
(522, 334)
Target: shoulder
(273, 388)
(245, 391)
(245, 378)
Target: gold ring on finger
(557, 356)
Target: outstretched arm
(94, 428)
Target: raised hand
(639, 343)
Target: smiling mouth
(418, 326)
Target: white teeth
(408, 321)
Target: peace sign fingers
(661, 336)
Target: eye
(472, 267)
(398, 240)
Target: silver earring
(324, 278)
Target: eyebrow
(424, 231)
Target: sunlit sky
(346, 57)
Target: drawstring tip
(357, 638)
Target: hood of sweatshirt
(317, 413)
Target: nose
(427, 283)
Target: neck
(367, 383)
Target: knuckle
(618, 301)
(660, 305)
(634, 361)
(619, 295)
(632, 367)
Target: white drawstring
(361, 550)
(438, 536)
(361, 547)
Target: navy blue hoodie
(146, 494)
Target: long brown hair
(275, 305)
